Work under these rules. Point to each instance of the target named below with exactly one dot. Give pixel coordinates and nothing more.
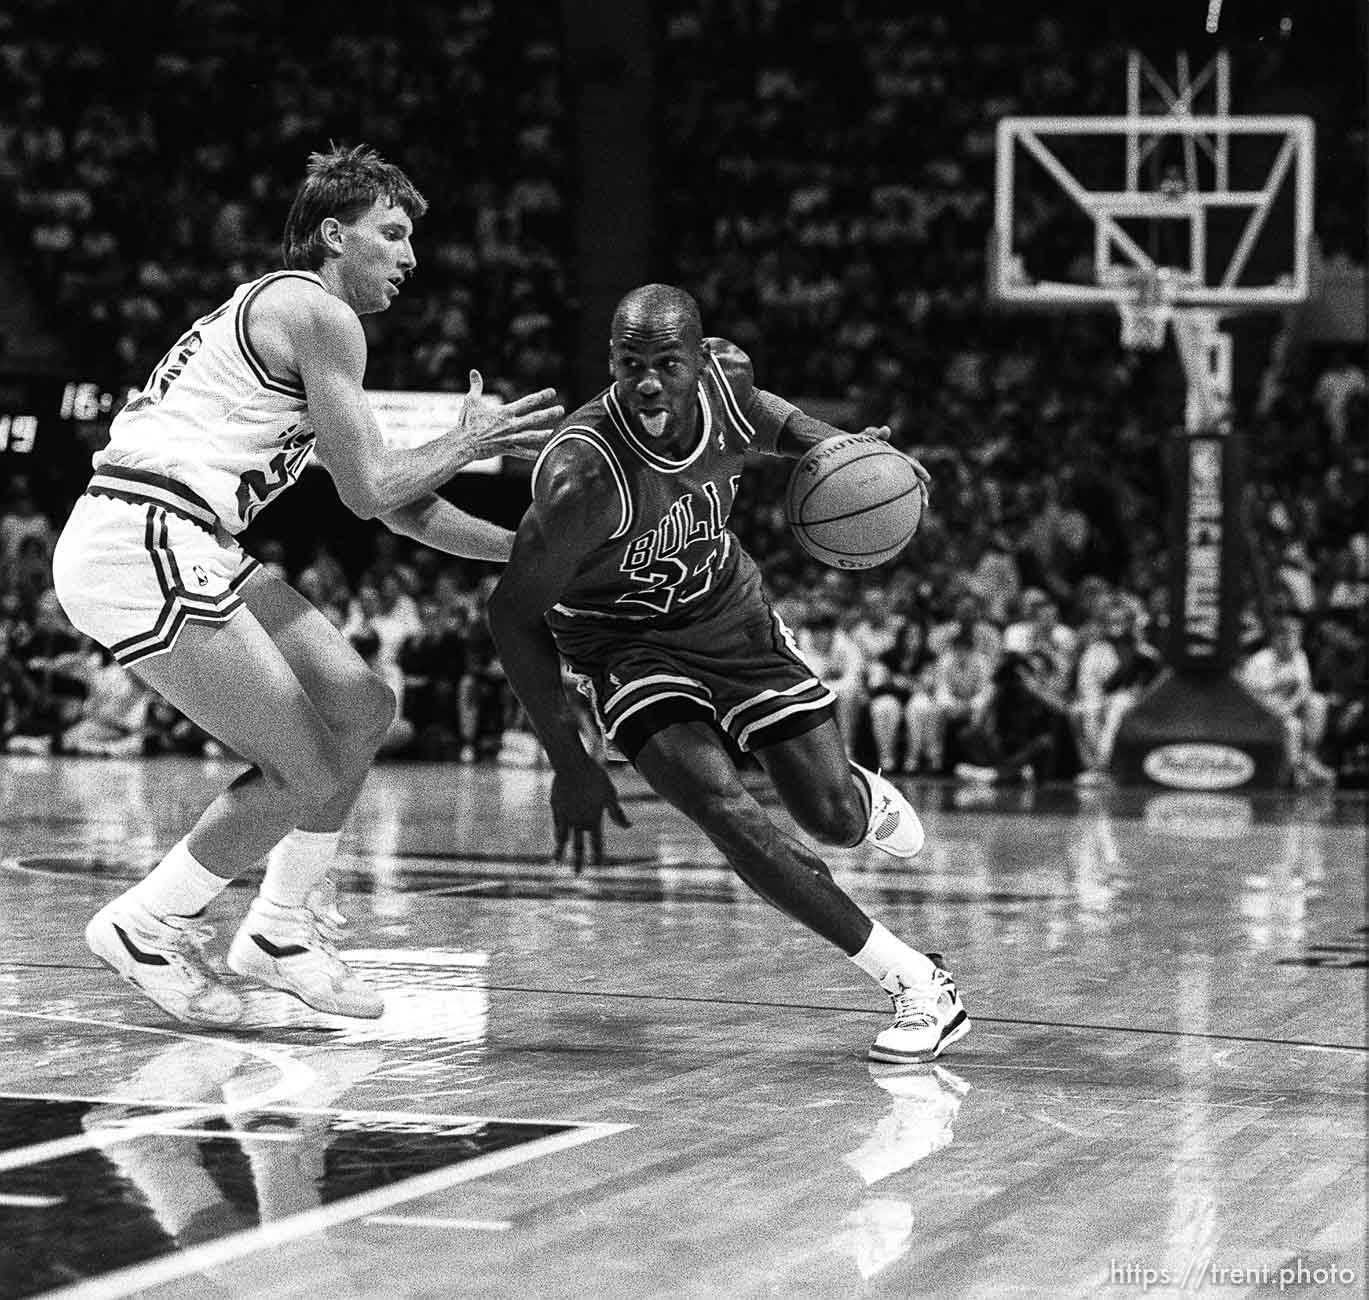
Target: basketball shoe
(927, 1019)
(162, 957)
(893, 827)
(286, 948)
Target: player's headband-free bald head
(655, 313)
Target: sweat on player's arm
(575, 508)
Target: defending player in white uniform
(147, 565)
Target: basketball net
(1147, 312)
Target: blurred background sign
(409, 419)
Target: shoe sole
(184, 1016)
(957, 1031)
(268, 977)
(901, 855)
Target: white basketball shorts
(131, 574)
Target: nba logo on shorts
(200, 575)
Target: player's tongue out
(655, 422)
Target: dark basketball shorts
(736, 666)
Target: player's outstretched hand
(518, 428)
(883, 433)
(578, 804)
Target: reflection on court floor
(642, 1081)
(145, 1183)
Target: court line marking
(432, 1221)
(1064, 1128)
(806, 1006)
(616, 873)
(978, 1019)
(744, 1002)
(447, 1119)
(438, 891)
(213, 1134)
(295, 1078)
(216, 1254)
(29, 1202)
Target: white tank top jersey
(213, 434)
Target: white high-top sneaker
(163, 958)
(927, 1019)
(893, 827)
(285, 948)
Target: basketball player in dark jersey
(624, 566)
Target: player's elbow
(365, 507)
(363, 496)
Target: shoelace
(310, 928)
(329, 923)
(191, 937)
(914, 1009)
(918, 1007)
(328, 928)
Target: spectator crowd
(133, 216)
(984, 681)
(849, 178)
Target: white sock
(178, 885)
(297, 864)
(887, 960)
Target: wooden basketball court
(642, 1082)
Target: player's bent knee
(369, 708)
(310, 775)
(834, 816)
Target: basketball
(853, 501)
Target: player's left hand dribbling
(883, 432)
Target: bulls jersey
(670, 549)
(214, 433)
